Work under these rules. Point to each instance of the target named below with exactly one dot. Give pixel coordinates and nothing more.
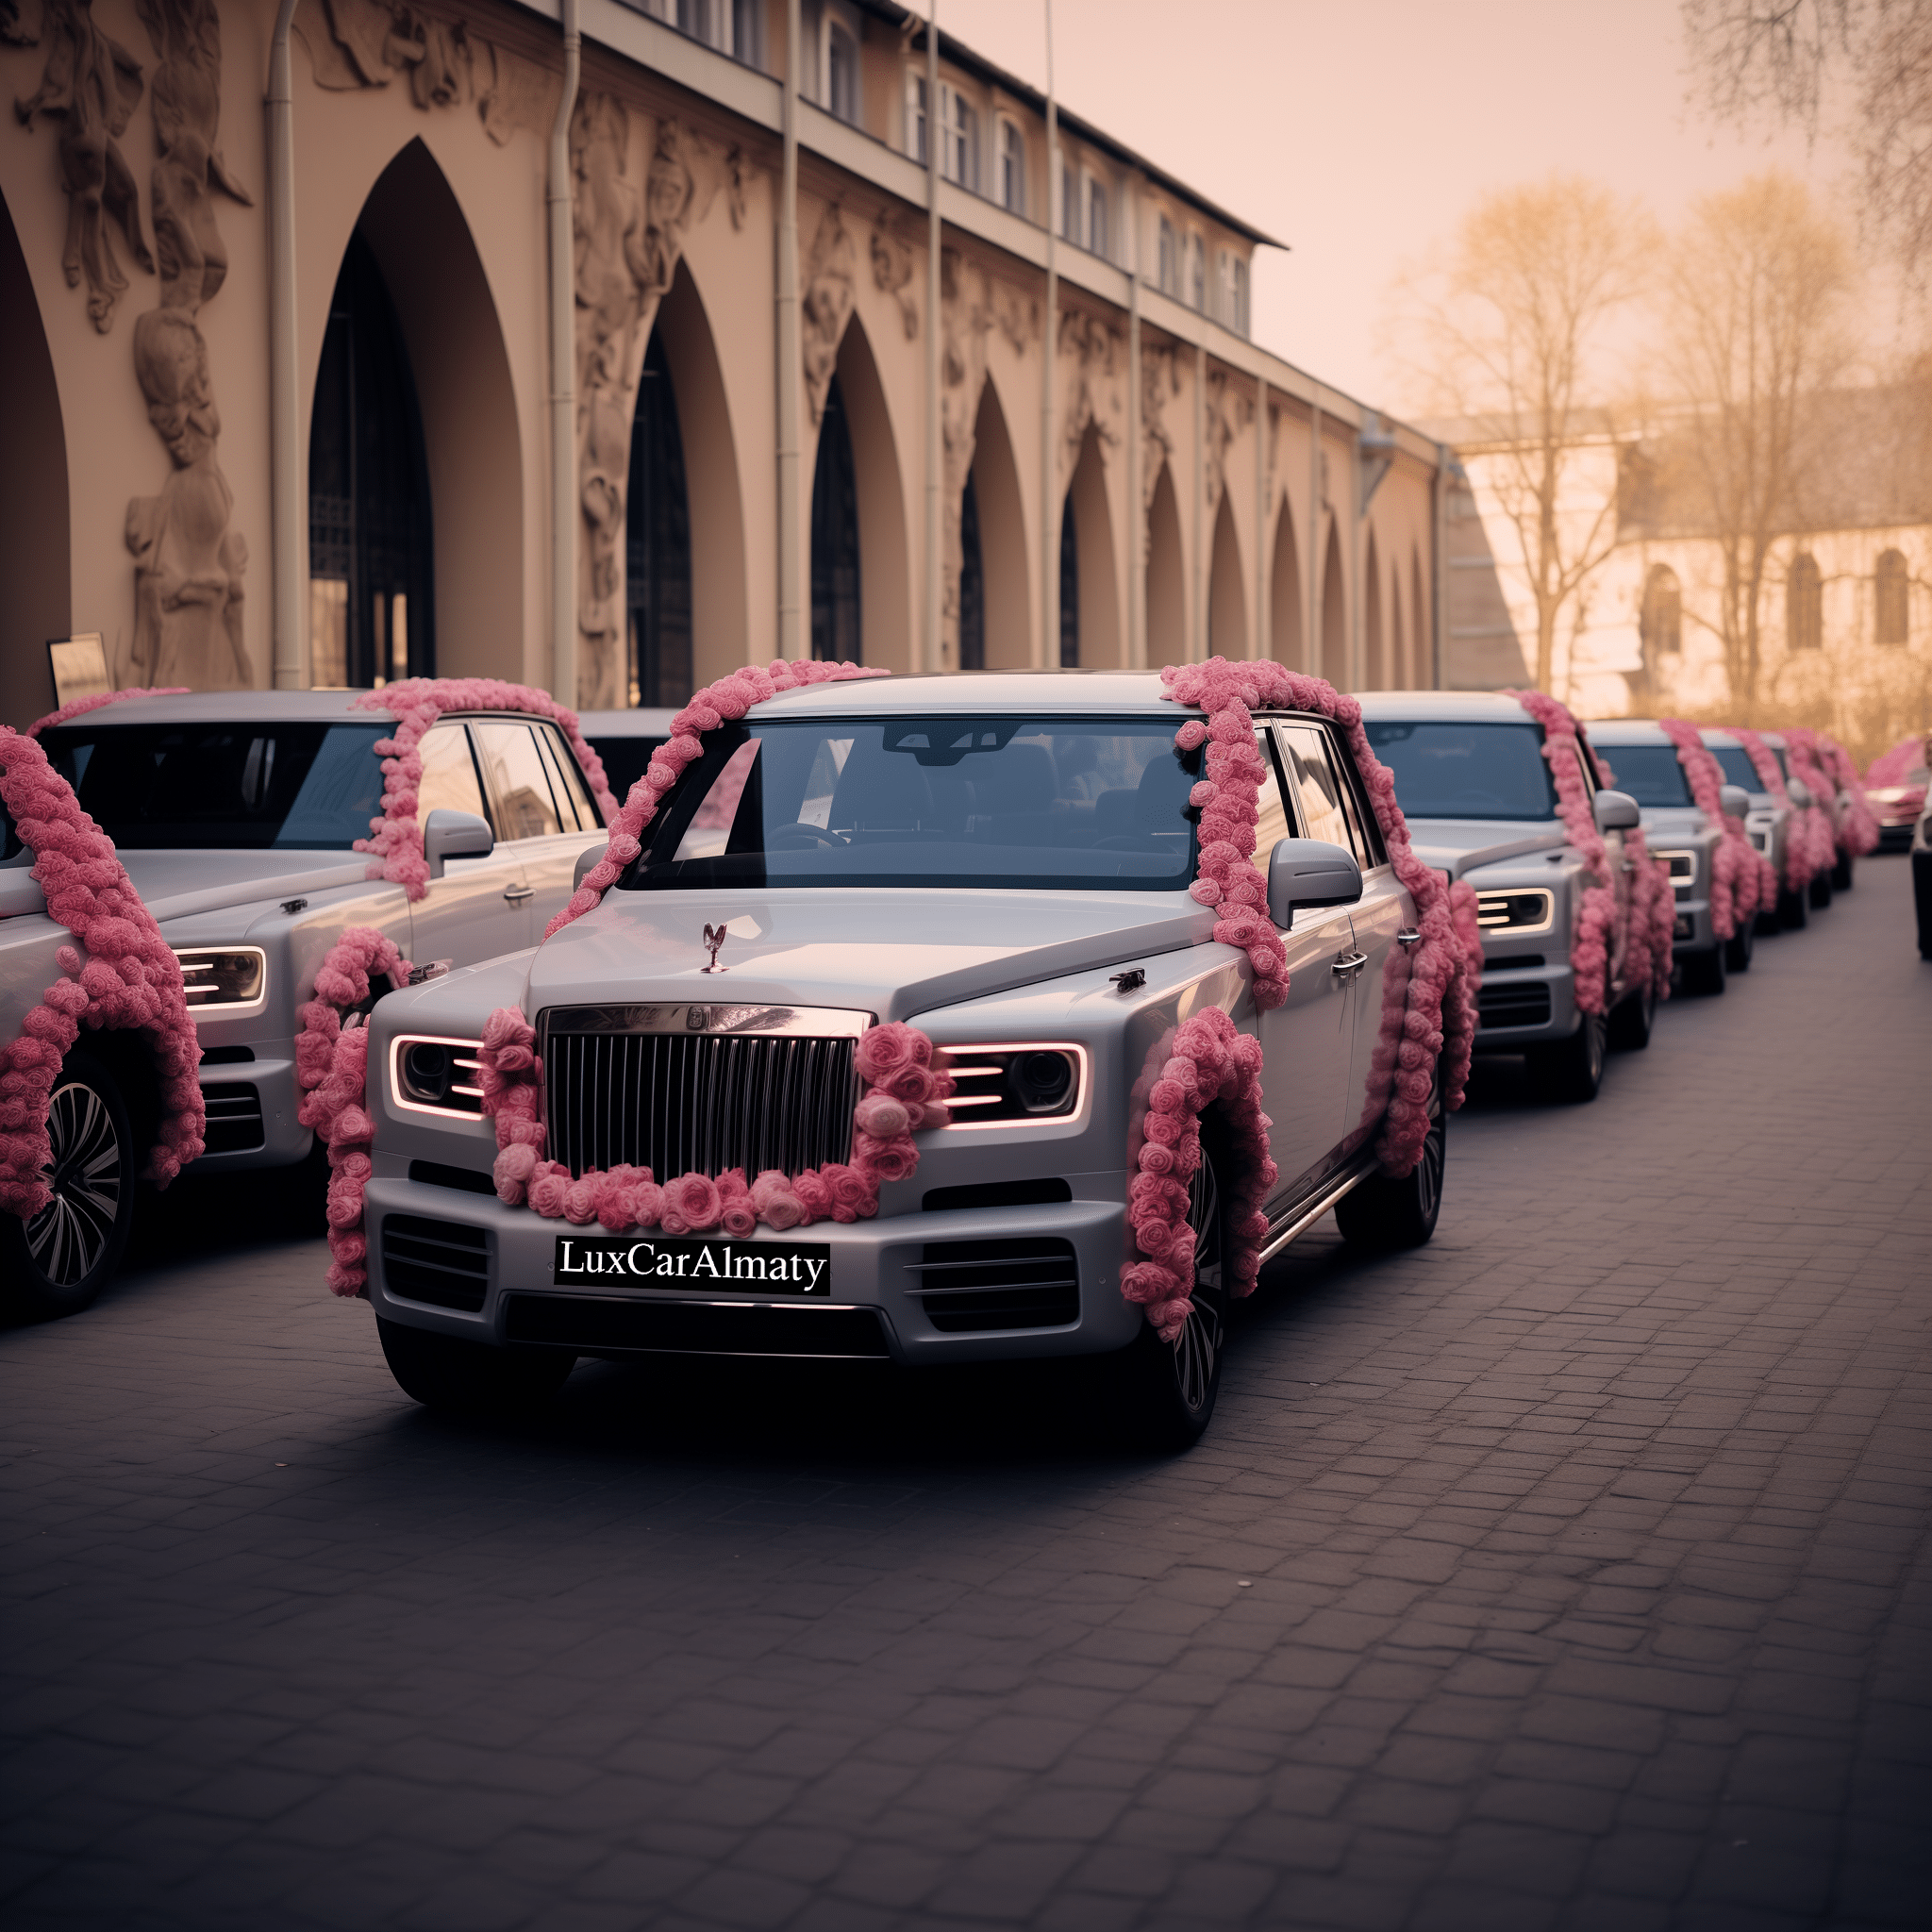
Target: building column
(793, 641)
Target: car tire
(1740, 946)
(1165, 1391)
(1821, 891)
(1571, 1070)
(1793, 909)
(1632, 1021)
(57, 1261)
(470, 1378)
(1841, 873)
(1703, 972)
(1384, 1215)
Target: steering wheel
(797, 834)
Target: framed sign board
(80, 665)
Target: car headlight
(1005, 1083)
(1518, 911)
(1683, 866)
(434, 1073)
(220, 978)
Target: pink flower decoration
(694, 1199)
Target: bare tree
(1753, 297)
(1781, 58)
(1514, 322)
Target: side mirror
(1799, 793)
(586, 859)
(1733, 801)
(455, 835)
(1310, 872)
(1616, 811)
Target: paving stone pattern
(1571, 1573)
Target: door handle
(1348, 964)
(1408, 936)
(517, 895)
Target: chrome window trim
(395, 1077)
(1075, 1115)
(226, 1009)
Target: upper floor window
(1197, 274)
(1804, 604)
(1099, 237)
(1234, 291)
(1169, 259)
(841, 72)
(1070, 204)
(733, 26)
(1012, 168)
(1893, 613)
(1660, 622)
(958, 138)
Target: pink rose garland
(332, 1069)
(1736, 870)
(123, 975)
(416, 703)
(1859, 830)
(1805, 830)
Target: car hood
(174, 884)
(892, 953)
(1459, 845)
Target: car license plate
(734, 1266)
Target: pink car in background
(1895, 783)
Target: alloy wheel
(1197, 1348)
(68, 1236)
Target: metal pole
(563, 401)
(791, 640)
(934, 654)
(1047, 651)
(1198, 643)
(1136, 520)
(287, 496)
(1260, 641)
(1313, 652)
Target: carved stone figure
(1161, 381)
(186, 96)
(892, 269)
(514, 96)
(12, 33)
(1017, 316)
(965, 321)
(830, 290)
(1230, 410)
(90, 85)
(1097, 354)
(189, 564)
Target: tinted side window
(1369, 850)
(573, 794)
(1273, 823)
(518, 783)
(1316, 790)
(449, 775)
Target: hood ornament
(714, 938)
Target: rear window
(1651, 774)
(1446, 771)
(1734, 761)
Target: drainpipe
(935, 528)
(1136, 515)
(791, 642)
(1047, 651)
(1260, 637)
(288, 498)
(1199, 643)
(1313, 653)
(563, 401)
(1439, 492)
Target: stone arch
(35, 565)
(416, 231)
(1333, 666)
(1085, 512)
(1285, 593)
(1006, 557)
(720, 590)
(879, 503)
(1374, 639)
(1167, 604)
(1227, 603)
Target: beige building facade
(774, 419)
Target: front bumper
(1693, 931)
(251, 1115)
(1524, 1005)
(872, 1272)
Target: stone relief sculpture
(1098, 357)
(189, 564)
(627, 245)
(965, 320)
(1017, 315)
(11, 33)
(1230, 410)
(1161, 381)
(185, 97)
(830, 290)
(91, 85)
(892, 269)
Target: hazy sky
(1360, 132)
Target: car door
(1305, 1042)
(476, 910)
(543, 834)
(551, 863)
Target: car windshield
(1466, 771)
(1070, 805)
(1651, 774)
(1734, 761)
(257, 786)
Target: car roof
(968, 694)
(249, 707)
(1443, 707)
(1614, 731)
(643, 722)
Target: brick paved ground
(1569, 1573)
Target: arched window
(370, 562)
(971, 584)
(1660, 624)
(1893, 584)
(1169, 264)
(658, 544)
(1804, 604)
(1070, 588)
(835, 613)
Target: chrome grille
(697, 1102)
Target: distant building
(767, 449)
